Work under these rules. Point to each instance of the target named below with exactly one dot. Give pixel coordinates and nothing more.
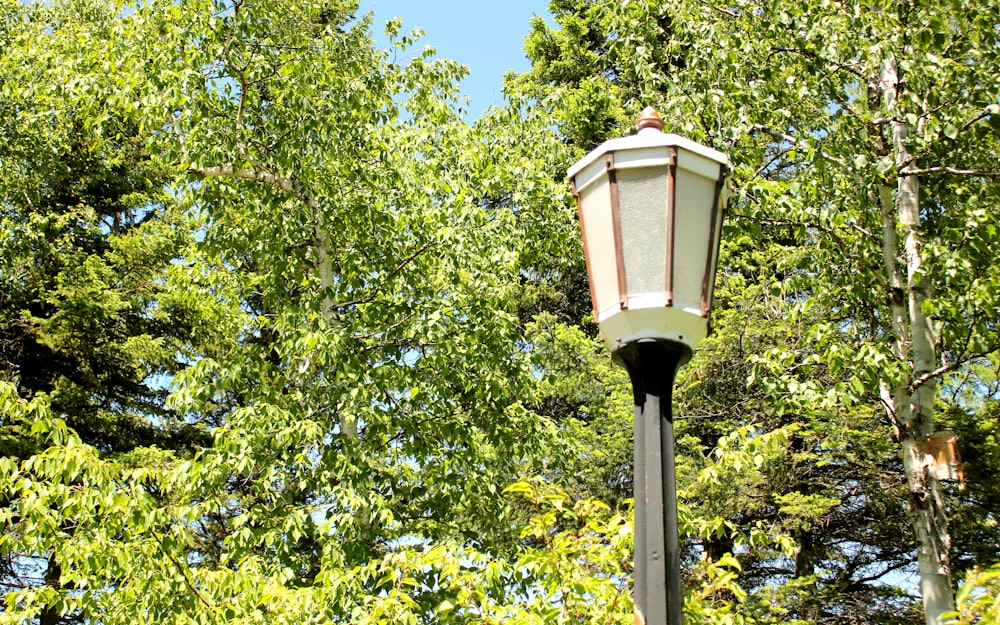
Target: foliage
(88, 233)
(133, 526)
(353, 296)
(828, 275)
(587, 398)
(373, 315)
(979, 597)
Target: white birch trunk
(324, 259)
(348, 426)
(913, 410)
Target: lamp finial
(649, 119)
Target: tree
(856, 100)
(376, 362)
(79, 209)
(360, 367)
(827, 113)
(89, 233)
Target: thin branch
(907, 171)
(392, 274)
(702, 416)
(237, 5)
(976, 119)
(789, 222)
(411, 258)
(774, 159)
(781, 136)
(240, 111)
(927, 377)
(925, 152)
(720, 9)
(403, 342)
(959, 386)
(184, 572)
(812, 56)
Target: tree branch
(184, 572)
(908, 171)
(781, 136)
(930, 375)
(392, 274)
(723, 10)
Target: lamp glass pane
(599, 234)
(642, 200)
(692, 236)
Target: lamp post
(651, 215)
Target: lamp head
(651, 208)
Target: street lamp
(651, 210)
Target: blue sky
(485, 35)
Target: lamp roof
(649, 136)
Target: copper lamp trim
(713, 244)
(649, 118)
(616, 222)
(671, 198)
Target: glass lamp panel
(693, 236)
(599, 235)
(642, 202)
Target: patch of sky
(486, 37)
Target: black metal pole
(652, 365)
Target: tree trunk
(912, 409)
(50, 614)
(348, 426)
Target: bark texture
(911, 407)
